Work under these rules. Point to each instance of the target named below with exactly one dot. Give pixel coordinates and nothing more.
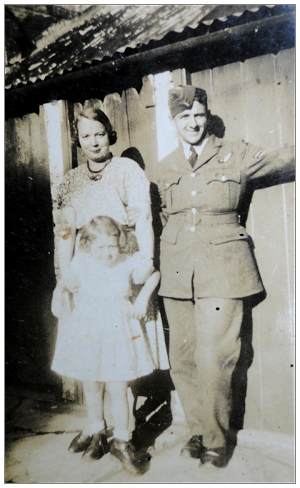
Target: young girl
(100, 337)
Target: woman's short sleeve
(61, 193)
(63, 212)
(64, 220)
(137, 188)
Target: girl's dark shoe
(217, 457)
(97, 447)
(80, 443)
(133, 462)
(193, 448)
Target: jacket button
(193, 175)
(194, 211)
(192, 228)
(194, 193)
(223, 178)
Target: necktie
(193, 156)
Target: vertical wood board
(141, 123)
(269, 235)
(115, 108)
(285, 95)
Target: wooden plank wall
(256, 101)
(29, 324)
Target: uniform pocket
(238, 235)
(171, 230)
(166, 189)
(224, 188)
(224, 176)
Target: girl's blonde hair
(96, 227)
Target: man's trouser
(204, 349)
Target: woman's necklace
(98, 174)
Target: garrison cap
(182, 97)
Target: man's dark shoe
(132, 461)
(216, 456)
(80, 443)
(193, 448)
(98, 446)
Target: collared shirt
(198, 148)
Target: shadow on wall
(215, 126)
(29, 280)
(239, 377)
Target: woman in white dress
(115, 187)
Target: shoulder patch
(225, 158)
(259, 155)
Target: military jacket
(205, 251)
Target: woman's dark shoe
(193, 448)
(133, 462)
(97, 447)
(217, 457)
(80, 443)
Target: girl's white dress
(98, 340)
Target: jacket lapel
(180, 162)
(176, 165)
(211, 148)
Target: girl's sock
(94, 427)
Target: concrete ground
(38, 435)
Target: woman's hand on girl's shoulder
(64, 219)
(139, 308)
(62, 301)
(143, 268)
(70, 280)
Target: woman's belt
(128, 228)
(128, 242)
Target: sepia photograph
(149, 243)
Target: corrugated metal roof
(103, 32)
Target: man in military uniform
(207, 264)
